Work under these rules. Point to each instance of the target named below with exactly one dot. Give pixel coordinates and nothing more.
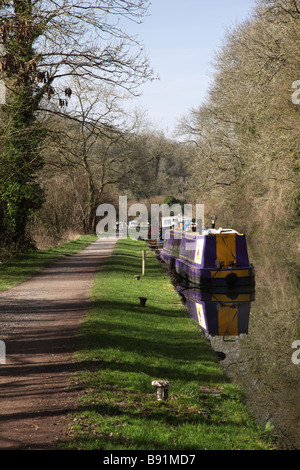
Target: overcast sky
(180, 37)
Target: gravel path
(39, 319)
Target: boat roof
(216, 231)
(209, 231)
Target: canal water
(258, 341)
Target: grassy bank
(22, 267)
(123, 346)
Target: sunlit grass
(123, 347)
(22, 267)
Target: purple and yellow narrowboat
(212, 258)
(218, 314)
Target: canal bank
(125, 345)
(264, 362)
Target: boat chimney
(213, 221)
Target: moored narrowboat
(212, 258)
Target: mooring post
(162, 389)
(143, 301)
(143, 261)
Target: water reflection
(219, 314)
(256, 339)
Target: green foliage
(20, 160)
(20, 193)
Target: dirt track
(39, 319)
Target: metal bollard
(162, 389)
(143, 301)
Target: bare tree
(246, 133)
(98, 140)
(44, 45)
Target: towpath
(39, 319)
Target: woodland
(246, 134)
(67, 143)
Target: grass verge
(22, 267)
(123, 346)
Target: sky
(180, 38)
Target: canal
(262, 357)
